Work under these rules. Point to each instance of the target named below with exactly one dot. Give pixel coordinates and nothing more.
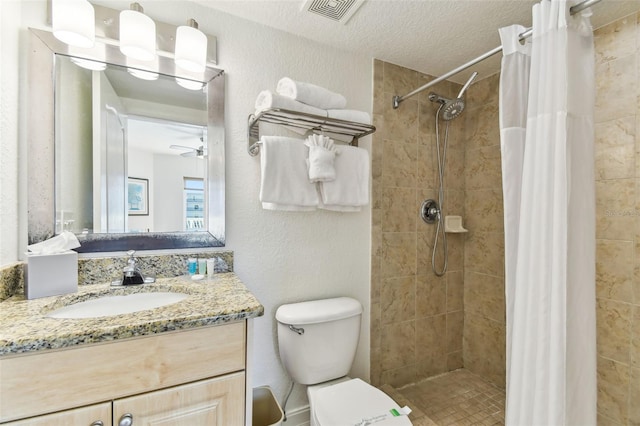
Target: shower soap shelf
(304, 122)
(453, 224)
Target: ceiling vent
(336, 10)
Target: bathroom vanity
(183, 363)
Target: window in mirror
(193, 204)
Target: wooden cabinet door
(84, 416)
(212, 402)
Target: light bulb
(137, 34)
(73, 22)
(191, 47)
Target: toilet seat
(354, 403)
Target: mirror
(138, 163)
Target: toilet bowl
(352, 402)
(317, 341)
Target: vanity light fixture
(73, 22)
(137, 34)
(189, 84)
(144, 70)
(191, 47)
(89, 64)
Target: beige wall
(617, 214)
(484, 306)
(417, 318)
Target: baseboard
(297, 417)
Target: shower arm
(398, 99)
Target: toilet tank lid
(317, 311)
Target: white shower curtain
(546, 126)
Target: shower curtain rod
(397, 99)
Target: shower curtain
(547, 93)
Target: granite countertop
(24, 326)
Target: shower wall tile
(408, 300)
(634, 397)
(455, 249)
(482, 127)
(615, 146)
(483, 92)
(398, 299)
(397, 217)
(431, 296)
(484, 296)
(484, 253)
(613, 390)
(398, 345)
(401, 124)
(484, 347)
(399, 167)
(615, 208)
(614, 269)
(487, 208)
(616, 89)
(455, 323)
(616, 40)
(618, 220)
(482, 168)
(398, 254)
(613, 321)
(635, 338)
(455, 291)
(399, 80)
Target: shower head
(452, 108)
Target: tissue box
(51, 274)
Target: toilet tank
(318, 339)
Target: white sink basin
(117, 305)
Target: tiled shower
(422, 325)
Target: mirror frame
(41, 154)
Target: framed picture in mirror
(138, 196)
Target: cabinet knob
(126, 420)
(97, 423)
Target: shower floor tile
(456, 398)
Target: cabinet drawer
(84, 416)
(50, 381)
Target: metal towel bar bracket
(303, 121)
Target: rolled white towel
(322, 153)
(310, 94)
(267, 99)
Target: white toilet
(317, 341)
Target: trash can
(266, 410)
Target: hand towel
(351, 185)
(310, 94)
(284, 181)
(322, 153)
(267, 99)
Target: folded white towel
(322, 153)
(350, 115)
(267, 99)
(310, 94)
(351, 186)
(285, 184)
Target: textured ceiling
(431, 36)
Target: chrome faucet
(131, 274)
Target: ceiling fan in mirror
(190, 151)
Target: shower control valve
(430, 211)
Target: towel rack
(304, 121)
